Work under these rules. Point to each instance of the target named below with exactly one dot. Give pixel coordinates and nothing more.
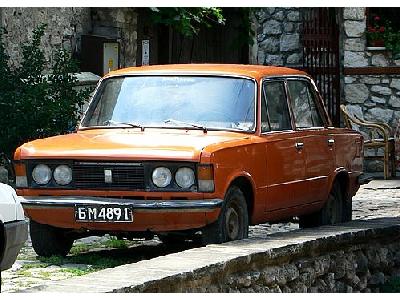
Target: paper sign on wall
(145, 52)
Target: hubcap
(232, 223)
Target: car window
(277, 110)
(171, 101)
(305, 110)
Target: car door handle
(331, 142)
(299, 145)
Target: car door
(285, 160)
(318, 145)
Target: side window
(276, 105)
(305, 111)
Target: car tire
(334, 210)
(233, 221)
(48, 240)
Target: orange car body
(279, 179)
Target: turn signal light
(205, 175)
(21, 180)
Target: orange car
(190, 151)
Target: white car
(13, 227)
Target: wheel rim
(232, 223)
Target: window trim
(320, 107)
(276, 79)
(93, 99)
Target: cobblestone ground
(377, 199)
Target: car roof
(253, 71)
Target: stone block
(356, 93)
(290, 272)
(274, 60)
(394, 101)
(261, 57)
(379, 60)
(293, 16)
(278, 16)
(354, 44)
(288, 27)
(379, 114)
(370, 80)
(270, 45)
(377, 279)
(381, 90)
(355, 59)
(261, 14)
(272, 27)
(293, 59)
(395, 83)
(269, 275)
(349, 79)
(379, 100)
(354, 28)
(354, 13)
(289, 42)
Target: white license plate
(103, 213)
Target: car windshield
(205, 102)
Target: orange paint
(284, 181)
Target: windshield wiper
(194, 125)
(133, 125)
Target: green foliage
(392, 40)
(115, 243)
(392, 286)
(34, 104)
(187, 20)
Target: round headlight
(41, 174)
(184, 177)
(63, 175)
(161, 177)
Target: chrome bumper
(163, 205)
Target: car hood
(121, 144)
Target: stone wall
(354, 262)
(356, 256)
(66, 25)
(372, 97)
(277, 40)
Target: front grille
(90, 175)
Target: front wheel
(48, 240)
(233, 221)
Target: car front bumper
(149, 215)
(15, 235)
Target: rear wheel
(48, 240)
(233, 221)
(335, 210)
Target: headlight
(184, 177)
(161, 177)
(41, 174)
(63, 175)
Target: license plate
(103, 213)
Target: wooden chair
(379, 137)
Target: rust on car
(191, 150)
